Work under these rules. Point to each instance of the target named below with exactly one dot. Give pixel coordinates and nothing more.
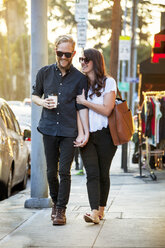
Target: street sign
(81, 10)
(132, 79)
(81, 34)
(124, 48)
(123, 86)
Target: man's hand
(78, 140)
(48, 103)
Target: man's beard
(64, 67)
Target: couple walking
(78, 119)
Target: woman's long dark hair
(99, 70)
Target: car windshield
(23, 115)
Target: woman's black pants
(97, 156)
(59, 152)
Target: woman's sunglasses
(85, 60)
(67, 55)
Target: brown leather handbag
(121, 123)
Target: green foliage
(99, 17)
(106, 53)
(61, 9)
(51, 53)
(14, 52)
(143, 52)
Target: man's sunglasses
(85, 60)
(67, 55)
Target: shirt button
(60, 74)
(59, 93)
(60, 83)
(57, 122)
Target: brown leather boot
(60, 218)
(53, 211)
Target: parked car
(27, 102)
(13, 152)
(15, 103)
(23, 116)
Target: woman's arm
(83, 128)
(80, 136)
(103, 109)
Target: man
(58, 123)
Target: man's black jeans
(97, 156)
(59, 152)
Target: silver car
(23, 116)
(13, 152)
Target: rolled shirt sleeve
(82, 85)
(38, 85)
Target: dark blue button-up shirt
(60, 121)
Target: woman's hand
(81, 140)
(81, 98)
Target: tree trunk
(116, 30)
(25, 76)
(4, 74)
(10, 86)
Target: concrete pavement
(135, 216)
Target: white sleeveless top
(98, 121)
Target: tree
(99, 21)
(99, 16)
(116, 30)
(14, 51)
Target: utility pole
(124, 146)
(39, 58)
(133, 64)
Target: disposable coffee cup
(54, 98)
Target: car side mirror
(27, 134)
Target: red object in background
(158, 51)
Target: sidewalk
(135, 216)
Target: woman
(100, 150)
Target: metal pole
(39, 58)
(133, 69)
(125, 146)
(124, 62)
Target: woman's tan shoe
(101, 216)
(92, 219)
(101, 212)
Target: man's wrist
(41, 102)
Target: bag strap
(119, 94)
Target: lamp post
(39, 58)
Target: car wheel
(3, 191)
(22, 185)
(29, 166)
(9, 184)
